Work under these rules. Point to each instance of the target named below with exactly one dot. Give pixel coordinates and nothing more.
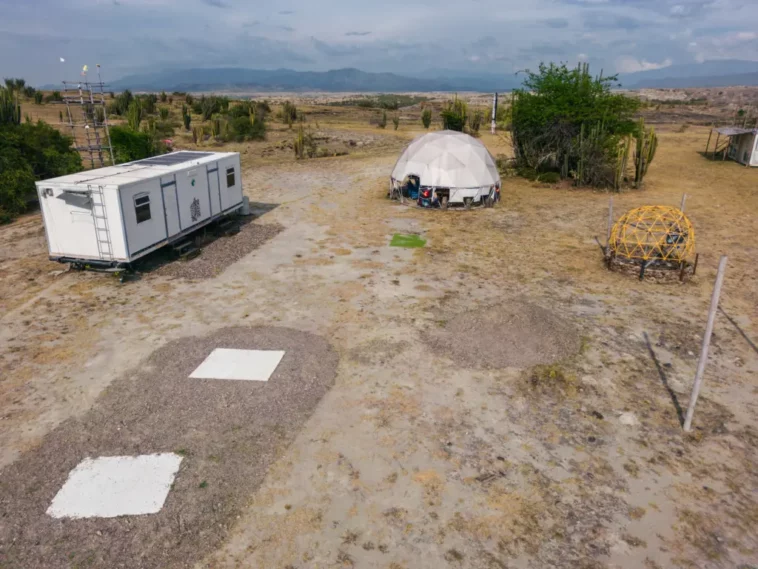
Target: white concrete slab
(251, 365)
(113, 486)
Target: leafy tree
(565, 120)
(30, 152)
(426, 117)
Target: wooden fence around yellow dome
(653, 233)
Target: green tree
(567, 121)
(30, 152)
(426, 117)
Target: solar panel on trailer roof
(172, 159)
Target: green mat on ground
(400, 240)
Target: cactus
(198, 134)
(621, 163)
(10, 109)
(186, 117)
(299, 144)
(134, 115)
(396, 121)
(426, 117)
(647, 144)
(163, 112)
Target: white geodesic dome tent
(451, 164)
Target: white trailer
(112, 216)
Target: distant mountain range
(238, 79)
(708, 74)
(721, 73)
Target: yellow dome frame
(653, 233)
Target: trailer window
(230, 177)
(142, 207)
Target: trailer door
(170, 205)
(214, 189)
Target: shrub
(382, 120)
(288, 113)
(163, 97)
(129, 145)
(54, 97)
(426, 117)
(189, 99)
(38, 97)
(564, 119)
(454, 114)
(163, 112)
(29, 152)
(10, 109)
(148, 103)
(29, 92)
(549, 177)
(476, 121)
(396, 121)
(247, 128)
(120, 105)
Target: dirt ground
(417, 458)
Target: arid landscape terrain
(494, 399)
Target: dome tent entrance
(456, 167)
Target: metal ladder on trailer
(102, 231)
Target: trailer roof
(130, 172)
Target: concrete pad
(250, 365)
(113, 486)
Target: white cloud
(582, 57)
(628, 64)
(746, 36)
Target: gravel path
(229, 433)
(221, 253)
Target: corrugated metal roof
(735, 130)
(131, 172)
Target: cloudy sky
(402, 36)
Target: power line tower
(88, 119)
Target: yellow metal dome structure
(653, 233)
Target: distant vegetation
(388, 102)
(568, 122)
(28, 152)
(426, 117)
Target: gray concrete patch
(228, 432)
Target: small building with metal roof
(736, 143)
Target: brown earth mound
(229, 433)
(513, 334)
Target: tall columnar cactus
(10, 109)
(134, 115)
(647, 144)
(299, 144)
(186, 117)
(621, 163)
